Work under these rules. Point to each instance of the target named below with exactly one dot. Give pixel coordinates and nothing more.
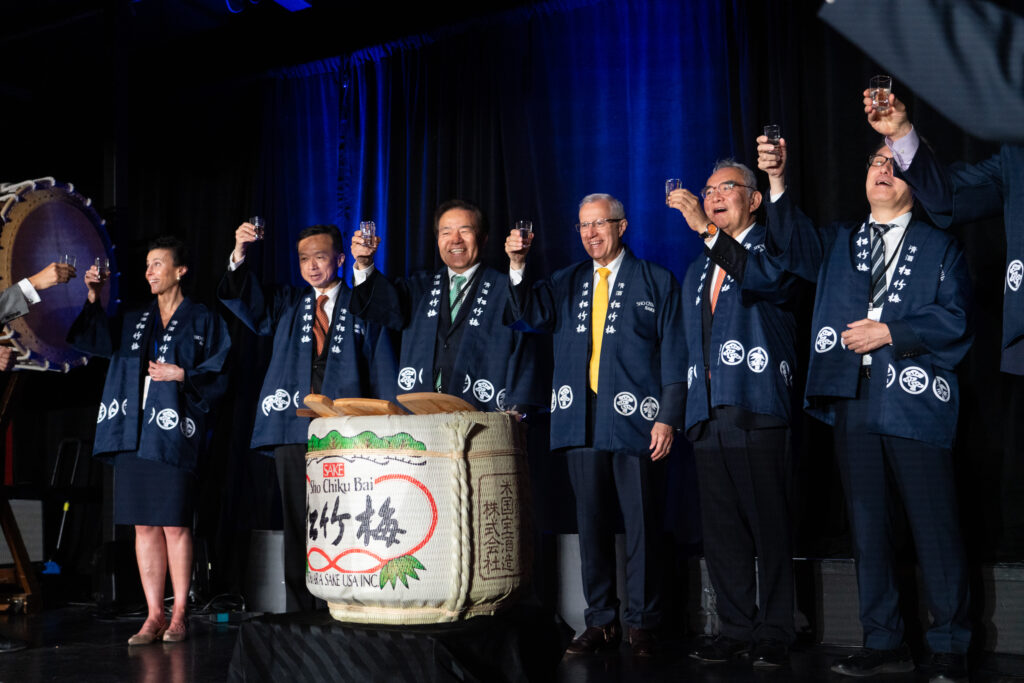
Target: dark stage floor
(72, 644)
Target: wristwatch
(710, 230)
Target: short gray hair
(749, 179)
(614, 205)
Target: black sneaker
(721, 649)
(769, 654)
(946, 667)
(869, 662)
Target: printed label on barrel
(371, 517)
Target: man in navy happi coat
(453, 337)
(890, 324)
(740, 356)
(616, 400)
(319, 347)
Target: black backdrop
(523, 112)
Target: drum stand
(21, 576)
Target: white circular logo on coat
(278, 401)
(554, 401)
(483, 390)
(625, 403)
(732, 352)
(890, 376)
(124, 407)
(1014, 274)
(467, 382)
(690, 374)
(787, 374)
(167, 419)
(564, 396)
(940, 388)
(103, 413)
(499, 400)
(649, 408)
(113, 409)
(188, 427)
(407, 378)
(914, 380)
(757, 359)
(825, 340)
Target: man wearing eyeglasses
(616, 401)
(890, 324)
(741, 362)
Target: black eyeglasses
(879, 160)
(598, 224)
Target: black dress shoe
(721, 649)
(597, 639)
(869, 662)
(770, 654)
(946, 667)
(642, 641)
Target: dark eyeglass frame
(889, 160)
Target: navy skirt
(152, 493)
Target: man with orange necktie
(616, 402)
(740, 359)
(320, 347)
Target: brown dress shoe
(642, 641)
(597, 639)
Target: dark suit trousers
(599, 480)
(872, 467)
(291, 476)
(745, 479)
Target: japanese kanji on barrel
(415, 519)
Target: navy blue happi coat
(643, 349)
(171, 425)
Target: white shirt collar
(468, 274)
(613, 267)
(332, 293)
(743, 235)
(901, 221)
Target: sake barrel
(416, 519)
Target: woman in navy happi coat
(166, 373)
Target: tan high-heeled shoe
(145, 637)
(176, 634)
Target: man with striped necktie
(890, 324)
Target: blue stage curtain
(528, 113)
(297, 178)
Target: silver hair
(614, 205)
(749, 179)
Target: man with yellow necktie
(616, 402)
